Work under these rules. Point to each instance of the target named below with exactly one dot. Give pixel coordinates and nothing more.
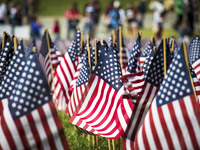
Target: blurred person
(158, 8)
(35, 28)
(11, 12)
(183, 31)
(97, 10)
(89, 24)
(73, 16)
(56, 30)
(190, 15)
(131, 15)
(141, 12)
(3, 12)
(179, 8)
(18, 15)
(109, 7)
(114, 16)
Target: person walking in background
(73, 16)
(3, 11)
(131, 15)
(56, 30)
(158, 17)
(35, 28)
(141, 12)
(179, 8)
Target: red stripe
(188, 123)
(34, 131)
(176, 126)
(46, 127)
(154, 131)
(65, 76)
(196, 107)
(69, 67)
(144, 136)
(22, 134)
(165, 129)
(1, 107)
(59, 126)
(7, 133)
(195, 67)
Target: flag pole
(34, 49)
(81, 44)
(11, 37)
(188, 69)
(95, 48)
(109, 144)
(15, 44)
(172, 48)
(151, 41)
(154, 48)
(113, 37)
(113, 144)
(3, 41)
(52, 72)
(164, 56)
(88, 50)
(120, 47)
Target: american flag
(30, 120)
(143, 87)
(15, 67)
(6, 56)
(194, 55)
(133, 64)
(46, 59)
(173, 119)
(98, 109)
(29, 49)
(65, 72)
(146, 52)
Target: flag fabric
(194, 55)
(103, 96)
(46, 60)
(65, 72)
(133, 64)
(30, 120)
(146, 52)
(15, 67)
(6, 57)
(29, 49)
(173, 121)
(143, 87)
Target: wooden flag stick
(81, 41)
(93, 141)
(11, 37)
(164, 56)
(140, 36)
(151, 41)
(21, 39)
(188, 69)
(172, 48)
(34, 49)
(88, 49)
(113, 37)
(52, 72)
(97, 141)
(119, 144)
(109, 144)
(95, 48)
(102, 42)
(15, 44)
(113, 144)
(120, 47)
(154, 48)
(4, 40)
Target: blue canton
(176, 84)
(194, 50)
(31, 90)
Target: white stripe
(121, 118)
(3, 141)
(40, 129)
(140, 140)
(87, 98)
(196, 63)
(170, 127)
(62, 78)
(28, 132)
(52, 126)
(138, 111)
(12, 128)
(182, 123)
(193, 119)
(158, 126)
(148, 131)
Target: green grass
(79, 141)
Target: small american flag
(65, 72)
(173, 119)
(30, 120)
(133, 64)
(143, 86)
(6, 56)
(103, 96)
(12, 74)
(194, 55)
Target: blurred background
(29, 18)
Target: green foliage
(79, 141)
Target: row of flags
(148, 97)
